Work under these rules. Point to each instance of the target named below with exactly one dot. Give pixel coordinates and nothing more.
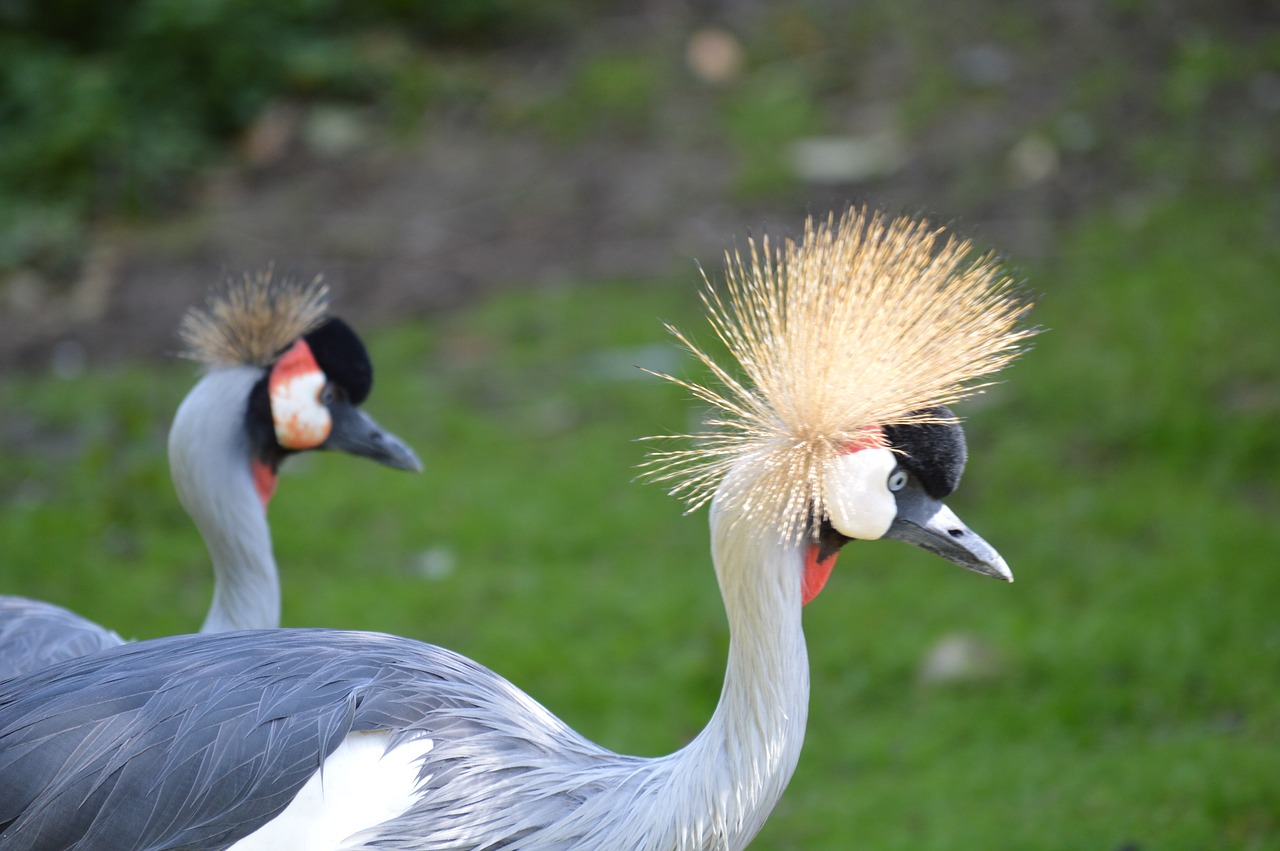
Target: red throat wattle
(816, 572)
(264, 481)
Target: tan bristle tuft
(252, 319)
(861, 325)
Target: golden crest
(864, 323)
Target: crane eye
(898, 479)
(327, 395)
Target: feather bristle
(250, 320)
(864, 323)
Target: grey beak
(356, 432)
(928, 524)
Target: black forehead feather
(343, 357)
(934, 452)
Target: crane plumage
(274, 740)
(250, 320)
(226, 443)
(866, 323)
(35, 634)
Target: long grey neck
(210, 461)
(561, 791)
(724, 784)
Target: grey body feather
(34, 634)
(193, 742)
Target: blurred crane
(282, 377)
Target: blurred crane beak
(928, 524)
(357, 433)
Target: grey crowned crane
(851, 342)
(283, 376)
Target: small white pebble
(435, 563)
(960, 658)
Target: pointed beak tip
(398, 456)
(998, 569)
(357, 433)
(390, 450)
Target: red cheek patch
(816, 573)
(870, 437)
(297, 360)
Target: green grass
(1126, 470)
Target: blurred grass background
(1124, 694)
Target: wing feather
(35, 634)
(194, 742)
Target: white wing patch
(359, 786)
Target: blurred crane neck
(210, 459)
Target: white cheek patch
(859, 502)
(301, 421)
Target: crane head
(894, 489)
(315, 370)
(311, 397)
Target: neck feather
(210, 461)
(562, 791)
(725, 783)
